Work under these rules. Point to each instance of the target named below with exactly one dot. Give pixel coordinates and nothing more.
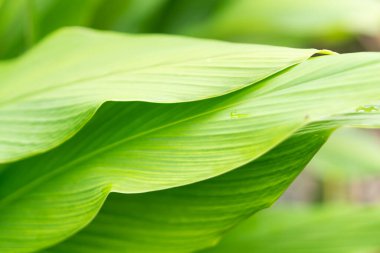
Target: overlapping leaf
(269, 131)
(50, 93)
(193, 217)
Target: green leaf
(195, 216)
(52, 91)
(139, 147)
(328, 229)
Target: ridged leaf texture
(190, 136)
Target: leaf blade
(68, 76)
(155, 146)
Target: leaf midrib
(46, 176)
(31, 184)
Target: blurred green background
(334, 205)
(343, 25)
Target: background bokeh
(343, 25)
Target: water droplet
(368, 108)
(235, 115)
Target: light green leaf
(193, 217)
(52, 91)
(139, 147)
(329, 229)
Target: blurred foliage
(293, 22)
(326, 229)
(345, 170)
(302, 23)
(349, 153)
